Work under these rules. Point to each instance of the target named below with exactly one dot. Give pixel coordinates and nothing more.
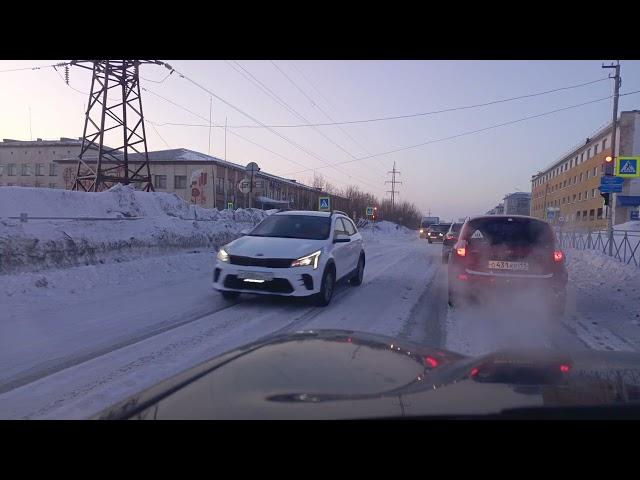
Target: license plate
(502, 265)
(255, 276)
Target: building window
(53, 153)
(593, 193)
(25, 170)
(1, 170)
(39, 169)
(180, 182)
(11, 169)
(160, 181)
(589, 153)
(577, 216)
(604, 144)
(582, 157)
(574, 198)
(584, 215)
(52, 185)
(220, 185)
(592, 214)
(580, 197)
(586, 195)
(595, 171)
(581, 177)
(53, 169)
(595, 149)
(599, 213)
(575, 179)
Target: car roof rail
(339, 212)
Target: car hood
(273, 247)
(340, 374)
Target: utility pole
(210, 114)
(393, 183)
(611, 211)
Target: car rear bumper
(474, 281)
(289, 282)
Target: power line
(470, 132)
(222, 126)
(158, 133)
(393, 183)
(158, 81)
(239, 110)
(342, 129)
(40, 67)
(315, 128)
(422, 114)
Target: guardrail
(626, 243)
(24, 218)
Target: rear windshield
(294, 226)
(508, 231)
(456, 227)
(441, 227)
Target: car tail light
(432, 362)
(558, 256)
(461, 251)
(450, 236)
(463, 276)
(565, 368)
(474, 371)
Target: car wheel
(227, 295)
(357, 278)
(323, 297)
(429, 240)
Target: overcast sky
(454, 178)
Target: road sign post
(369, 211)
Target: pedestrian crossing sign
(324, 204)
(627, 167)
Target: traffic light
(606, 197)
(608, 165)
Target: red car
(502, 254)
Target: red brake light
(558, 256)
(432, 362)
(473, 372)
(564, 368)
(461, 251)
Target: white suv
(292, 253)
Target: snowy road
(66, 351)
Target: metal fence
(626, 243)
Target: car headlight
(311, 259)
(421, 231)
(223, 255)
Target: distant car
(293, 253)
(500, 254)
(425, 223)
(435, 233)
(450, 239)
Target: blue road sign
(369, 211)
(610, 188)
(609, 180)
(627, 167)
(324, 204)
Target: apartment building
(518, 203)
(566, 192)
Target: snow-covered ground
(76, 340)
(112, 226)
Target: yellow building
(566, 193)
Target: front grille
(277, 285)
(260, 262)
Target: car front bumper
(289, 282)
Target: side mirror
(341, 239)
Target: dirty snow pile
(112, 226)
(592, 269)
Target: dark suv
(435, 233)
(502, 253)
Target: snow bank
(592, 269)
(633, 226)
(384, 228)
(142, 223)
